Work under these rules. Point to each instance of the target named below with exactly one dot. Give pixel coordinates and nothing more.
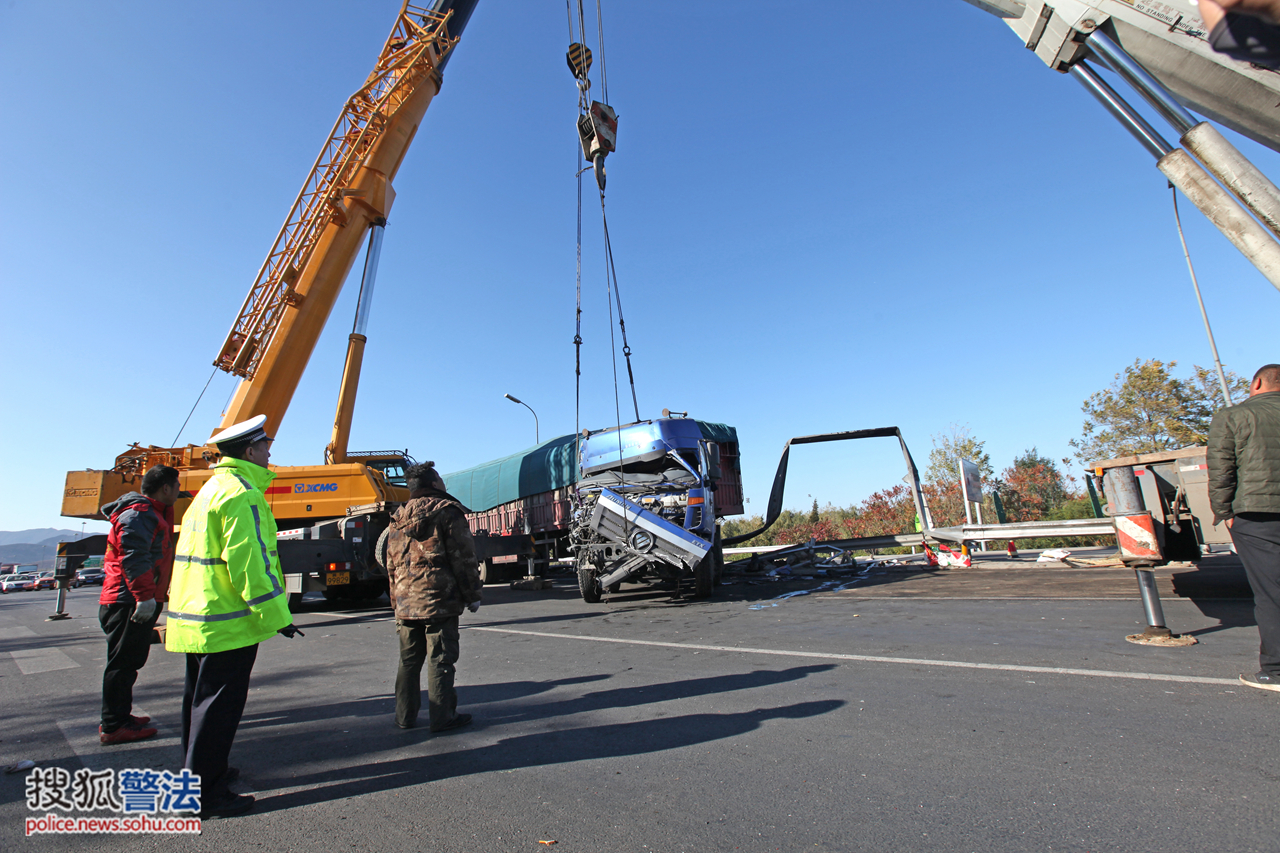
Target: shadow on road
(532, 750)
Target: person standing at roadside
(137, 566)
(1244, 491)
(227, 596)
(431, 565)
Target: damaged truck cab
(648, 503)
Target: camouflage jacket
(431, 559)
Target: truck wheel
(588, 587)
(704, 576)
(295, 601)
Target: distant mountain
(36, 536)
(38, 545)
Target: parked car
(46, 580)
(17, 583)
(91, 576)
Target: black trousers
(212, 703)
(128, 645)
(1257, 539)
(435, 643)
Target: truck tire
(588, 587)
(704, 576)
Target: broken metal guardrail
(961, 534)
(1025, 530)
(780, 483)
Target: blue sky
(821, 222)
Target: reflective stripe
(265, 597)
(209, 617)
(204, 561)
(266, 561)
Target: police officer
(227, 595)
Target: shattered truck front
(646, 507)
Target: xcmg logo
(303, 488)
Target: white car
(17, 583)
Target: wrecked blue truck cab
(649, 496)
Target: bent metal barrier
(961, 534)
(1139, 536)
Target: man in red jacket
(138, 564)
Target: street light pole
(536, 438)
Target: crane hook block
(598, 131)
(579, 59)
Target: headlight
(641, 540)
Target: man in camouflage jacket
(431, 566)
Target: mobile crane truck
(331, 514)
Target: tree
(1032, 488)
(1148, 411)
(885, 513)
(813, 514)
(949, 448)
(1206, 383)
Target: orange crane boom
(347, 191)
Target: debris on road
(20, 767)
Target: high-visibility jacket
(227, 590)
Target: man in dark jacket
(431, 565)
(138, 563)
(1244, 491)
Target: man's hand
(474, 606)
(289, 630)
(1210, 13)
(1229, 522)
(145, 611)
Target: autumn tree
(1207, 385)
(1033, 487)
(1150, 410)
(885, 513)
(950, 447)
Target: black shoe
(229, 805)
(1262, 681)
(456, 723)
(405, 725)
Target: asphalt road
(835, 721)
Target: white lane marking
(378, 618)
(35, 661)
(1052, 670)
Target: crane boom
(348, 188)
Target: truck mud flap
(642, 532)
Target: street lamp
(536, 439)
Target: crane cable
(613, 293)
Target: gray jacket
(1244, 457)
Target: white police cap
(243, 433)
